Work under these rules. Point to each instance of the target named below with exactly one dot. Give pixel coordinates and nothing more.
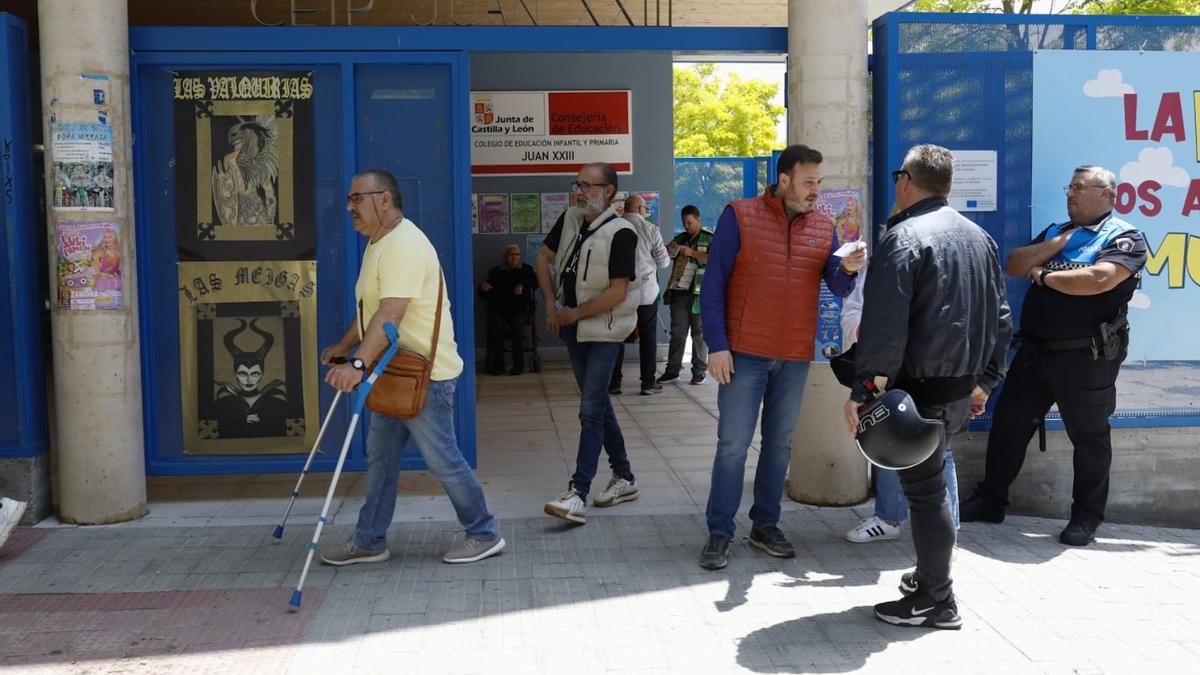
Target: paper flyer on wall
(83, 166)
(474, 213)
(652, 205)
(89, 265)
(533, 244)
(553, 205)
(526, 213)
(493, 214)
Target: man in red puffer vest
(758, 306)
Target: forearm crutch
(308, 462)
(360, 400)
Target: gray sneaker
(350, 554)
(469, 550)
(771, 540)
(618, 490)
(716, 552)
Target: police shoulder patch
(1124, 244)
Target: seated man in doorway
(509, 294)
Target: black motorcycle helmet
(893, 435)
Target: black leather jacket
(936, 320)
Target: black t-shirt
(1047, 314)
(621, 257)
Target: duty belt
(1094, 343)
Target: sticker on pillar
(248, 357)
(82, 153)
(844, 208)
(244, 175)
(89, 264)
(93, 88)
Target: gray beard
(797, 208)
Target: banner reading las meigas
(523, 133)
(1136, 114)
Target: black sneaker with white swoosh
(922, 611)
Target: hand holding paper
(850, 247)
(853, 255)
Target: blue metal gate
(965, 81)
(712, 182)
(22, 393)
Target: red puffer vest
(771, 298)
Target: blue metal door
(22, 387)
(405, 112)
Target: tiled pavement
(199, 585)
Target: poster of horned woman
(247, 338)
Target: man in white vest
(591, 302)
(651, 255)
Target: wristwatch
(358, 364)
(1042, 276)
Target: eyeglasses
(1079, 187)
(584, 186)
(354, 197)
(900, 172)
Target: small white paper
(849, 247)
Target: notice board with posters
(549, 133)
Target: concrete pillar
(97, 367)
(827, 110)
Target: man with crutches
(401, 282)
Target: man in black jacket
(936, 324)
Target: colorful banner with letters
(1136, 114)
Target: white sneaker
(873, 529)
(568, 506)
(10, 513)
(618, 490)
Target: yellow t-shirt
(404, 264)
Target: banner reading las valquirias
(1136, 114)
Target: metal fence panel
(965, 81)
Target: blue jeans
(891, 504)
(778, 386)
(593, 363)
(433, 433)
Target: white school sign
(526, 133)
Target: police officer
(1073, 338)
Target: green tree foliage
(723, 117)
(1137, 7)
(1187, 7)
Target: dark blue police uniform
(1070, 349)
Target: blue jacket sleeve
(726, 243)
(839, 283)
